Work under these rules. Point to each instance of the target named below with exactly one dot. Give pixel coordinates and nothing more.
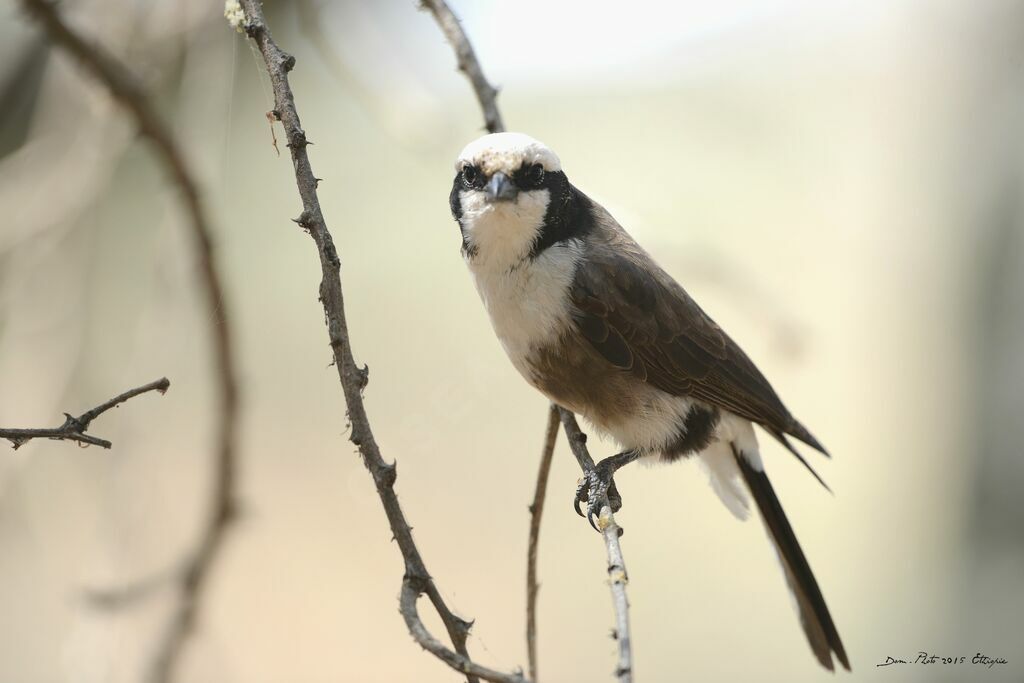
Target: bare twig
(74, 428)
(130, 95)
(354, 379)
(536, 514)
(611, 531)
(468, 63)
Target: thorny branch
(536, 514)
(130, 95)
(417, 580)
(611, 531)
(468, 63)
(74, 428)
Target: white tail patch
(733, 429)
(725, 478)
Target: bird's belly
(524, 328)
(634, 413)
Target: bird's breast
(528, 301)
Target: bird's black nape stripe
(814, 615)
(455, 202)
(569, 214)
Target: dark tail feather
(800, 432)
(785, 442)
(814, 616)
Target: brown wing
(640, 320)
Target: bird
(590, 320)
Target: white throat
(501, 234)
(526, 297)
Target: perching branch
(468, 63)
(74, 428)
(130, 95)
(536, 514)
(417, 580)
(611, 531)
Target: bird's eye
(472, 176)
(533, 175)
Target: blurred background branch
(536, 515)
(124, 88)
(74, 428)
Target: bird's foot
(593, 487)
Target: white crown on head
(506, 152)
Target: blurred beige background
(839, 185)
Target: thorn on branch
(386, 475)
(298, 140)
(466, 626)
(304, 220)
(416, 581)
(70, 422)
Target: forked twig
(74, 428)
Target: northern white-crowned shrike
(593, 323)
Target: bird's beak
(501, 188)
